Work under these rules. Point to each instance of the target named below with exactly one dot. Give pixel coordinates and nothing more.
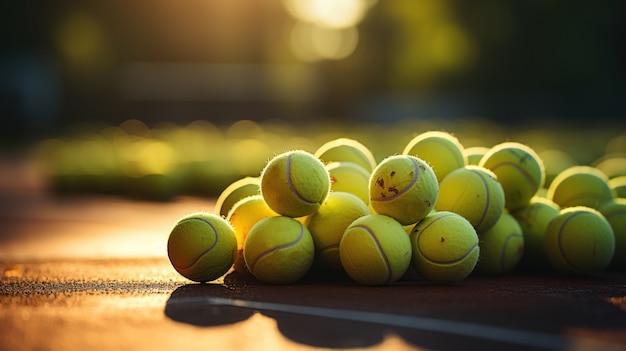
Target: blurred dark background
(63, 62)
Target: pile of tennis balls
(435, 212)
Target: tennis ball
(351, 178)
(473, 192)
(278, 250)
(501, 247)
(618, 186)
(236, 191)
(328, 224)
(244, 214)
(441, 150)
(555, 161)
(375, 250)
(445, 247)
(579, 241)
(403, 187)
(615, 213)
(295, 183)
(534, 219)
(474, 154)
(612, 164)
(518, 168)
(202, 246)
(346, 150)
(580, 186)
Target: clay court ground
(91, 272)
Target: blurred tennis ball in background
(236, 191)
(403, 187)
(474, 154)
(580, 186)
(346, 150)
(441, 150)
(349, 177)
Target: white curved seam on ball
(406, 188)
(506, 243)
(280, 247)
(380, 250)
(486, 208)
(207, 250)
(465, 255)
(561, 228)
(291, 186)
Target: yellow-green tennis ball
(202, 247)
(475, 193)
(375, 250)
(403, 187)
(328, 224)
(534, 219)
(295, 183)
(441, 150)
(580, 241)
(555, 161)
(501, 247)
(580, 186)
(278, 250)
(236, 191)
(244, 214)
(519, 169)
(613, 165)
(615, 213)
(351, 178)
(346, 150)
(618, 186)
(474, 154)
(445, 247)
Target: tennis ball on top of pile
(579, 241)
(441, 150)
(202, 246)
(375, 250)
(501, 247)
(328, 224)
(236, 191)
(473, 192)
(580, 186)
(346, 150)
(278, 250)
(445, 247)
(349, 177)
(615, 213)
(534, 219)
(295, 183)
(244, 214)
(519, 169)
(403, 187)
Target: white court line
(493, 333)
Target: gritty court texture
(91, 273)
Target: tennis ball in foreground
(244, 214)
(580, 186)
(518, 168)
(580, 241)
(445, 247)
(534, 219)
(403, 187)
(346, 150)
(278, 250)
(202, 247)
(349, 177)
(441, 150)
(295, 183)
(501, 247)
(615, 213)
(236, 191)
(328, 224)
(375, 250)
(473, 192)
